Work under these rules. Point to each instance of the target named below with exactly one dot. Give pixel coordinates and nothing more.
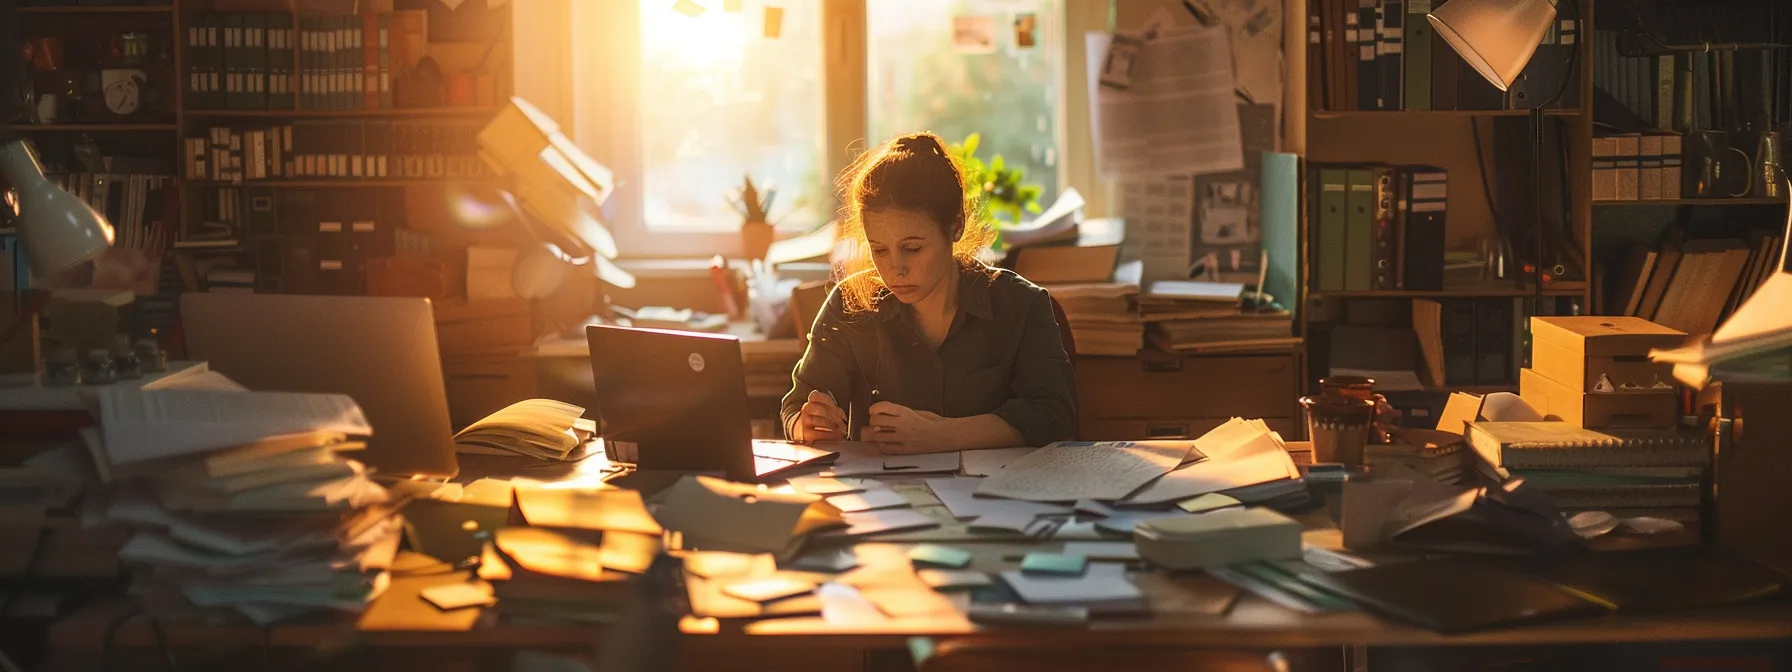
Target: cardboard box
(502, 327)
(1578, 351)
(1640, 409)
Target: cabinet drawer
(1169, 428)
(1185, 387)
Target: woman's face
(911, 253)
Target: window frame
(605, 111)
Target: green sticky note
(940, 556)
(1212, 501)
(1039, 562)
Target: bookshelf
(101, 9)
(1474, 147)
(1675, 202)
(90, 128)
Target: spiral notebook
(1535, 445)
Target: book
(1416, 57)
(1328, 240)
(1384, 248)
(1368, 41)
(1389, 54)
(1560, 445)
(1422, 229)
(1359, 230)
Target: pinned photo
(973, 34)
(1116, 69)
(774, 22)
(1026, 27)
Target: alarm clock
(123, 90)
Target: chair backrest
(806, 302)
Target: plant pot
(756, 239)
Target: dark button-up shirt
(1002, 355)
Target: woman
(922, 348)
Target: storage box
(503, 327)
(478, 386)
(1219, 538)
(1578, 351)
(1618, 409)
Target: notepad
(1102, 582)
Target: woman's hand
(819, 420)
(897, 429)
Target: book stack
(1378, 227)
(414, 149)
(1184, 316)
(244, 501)
(1628, 473)
(1103, 317)
(1692, 285)
(239, 61)
(1383, 55)
(1637, 167)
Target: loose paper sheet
(1259, 460)
(959, 496)
(1178, 114)
(880, 497)
(1066, 472)
(140, 425)
(988, 462)
(863, 459)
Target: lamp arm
(1573, 57)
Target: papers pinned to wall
(1165, 106)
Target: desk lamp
(555, 187)
(1497, 38)
(56, 229)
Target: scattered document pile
(540, 428)
(1187, 316)
(1627, 473)
(245, 500)
(1755, 344)
(1103, 317)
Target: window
(683, 107)
(721, 100)
(956, 67)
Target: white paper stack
(280, 524)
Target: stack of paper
(544, 575)
(1191, 316)
(1103, 317)
(539, 428)
(1245, 460)
(246, 500)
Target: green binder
(1329, 258)
(1359, 231)
(1418, 55)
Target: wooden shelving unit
(1462, 142)
(342, 114)
(1689, 201)
(91, 128)
(107, 9)
(342, 183)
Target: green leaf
(1033, 206)
(971, 142)
(996, 164)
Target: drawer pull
(1164, 365)
(1170, 431)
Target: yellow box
(1578, 351)
(1641, 409)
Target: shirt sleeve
(827, 365)
(1043, 409)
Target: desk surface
(1251, 622)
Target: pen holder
(1339, 427)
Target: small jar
(62, 367)
(125, 359)
(150, 356)
(99, 369)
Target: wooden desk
(811, 643)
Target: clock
(123, 90)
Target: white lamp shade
(56, 229)
(1496, 37)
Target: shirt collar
(974, 280)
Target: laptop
(680, 399)
(381, 351)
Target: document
(1057, 222)
(1177, 114)
(607, 509)
(139, 425)
(714, 514)
(880, 497)
(988, 462)
(1069, 471)
(863, 459)
(884, 520)
(1103, 582)
(1259, 460)
(960, 497)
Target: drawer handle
(1175, 431)
(1166, 365)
